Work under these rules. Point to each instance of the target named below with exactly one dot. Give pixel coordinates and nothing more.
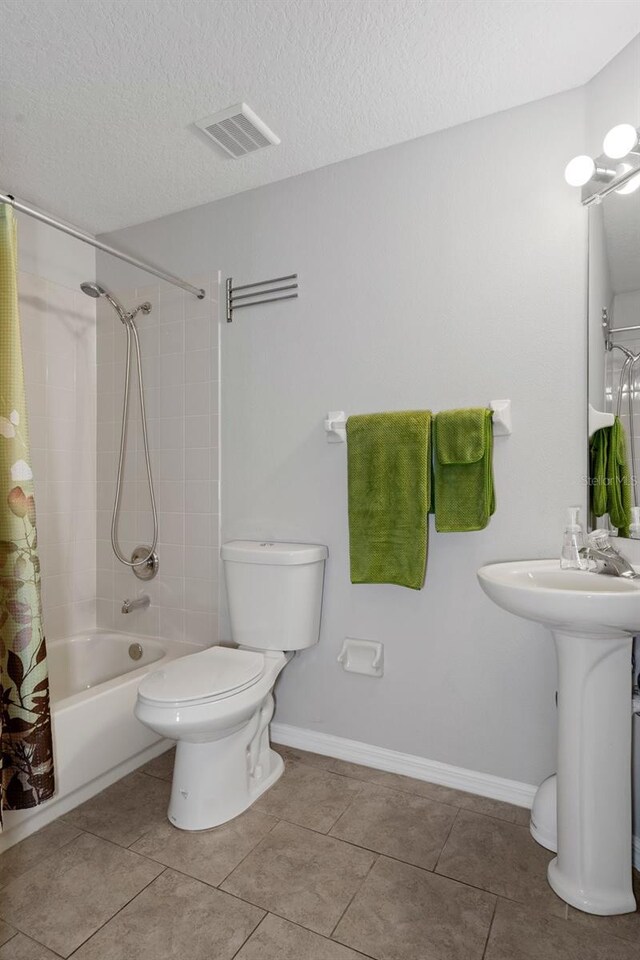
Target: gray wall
(442, 272)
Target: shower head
(93, 289)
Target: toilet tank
(274, 592)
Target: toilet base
(215, 781)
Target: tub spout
(140, 604)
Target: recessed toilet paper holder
(362, 656)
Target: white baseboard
(483, 784)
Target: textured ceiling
(98, 96)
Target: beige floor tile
(208, 855)
(277, 939)
(292, 754)
(421, 788)
(309, 796)
(400, 825)
(20, 858)
(502, 858)
(175, 918)
(160, 767)
(301, 875)
(6, 932)
(64, 899)
(404, 913)
(627, 925)
(23, 948)
(456, 798)
(521, 934)
(124, 811)
(496, 808)
(342, 767)
(354, 770)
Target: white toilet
(217, 704)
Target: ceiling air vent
(238, 131)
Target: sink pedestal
(593, 868)
(593, 619)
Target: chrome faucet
(140, 604)
(606, 559)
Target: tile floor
(335, 862)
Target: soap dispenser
(572, 542)
(634, 528)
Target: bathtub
(93, 681)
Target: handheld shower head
(93, 289)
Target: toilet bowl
(218, 703)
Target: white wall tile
(171, 338)
(197, 463)
(196, 399)
(197, 333)
(180, 362)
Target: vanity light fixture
(596, 176)
(631, 185)
(620, 141)
(581, 169)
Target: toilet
(218, 703)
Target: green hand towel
(610, 477)
(464, 493)
(389, 456)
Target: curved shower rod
(99, 245)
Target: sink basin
(571, 599)
(593, 619)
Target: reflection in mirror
(614, 358)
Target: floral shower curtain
(26, 764)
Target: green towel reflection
(610, 477)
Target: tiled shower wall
(180, 351)
(59, 350)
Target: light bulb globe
(631, 185)
(620, 141)
(579, 171)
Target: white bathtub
(96, 738)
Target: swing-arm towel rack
(263, 289)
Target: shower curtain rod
(112, 251)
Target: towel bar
(336, 430)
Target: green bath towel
(610, 477)
(389, 463)
(464, 494)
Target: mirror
(614, 332)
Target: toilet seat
(213, 674)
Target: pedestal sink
(593, 619)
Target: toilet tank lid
(274, 552)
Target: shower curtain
(26, 760)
